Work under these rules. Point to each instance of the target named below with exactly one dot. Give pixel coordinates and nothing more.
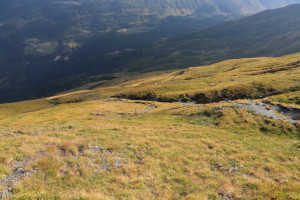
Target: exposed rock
(289, 114)
(18, 174)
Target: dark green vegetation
(269, 33)
(49, 46)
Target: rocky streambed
(277, 112)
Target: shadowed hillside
(270, 33)
(228, 80)
(51, 46)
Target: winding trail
(148, 109)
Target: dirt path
(148, 109)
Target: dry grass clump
(288, 99)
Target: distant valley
(50, 46)
(269, 33)
(149, 99)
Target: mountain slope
(89, 145)
(228, 80)
(48, 46)
(270, 33)
(66, 25)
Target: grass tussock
(291, 99)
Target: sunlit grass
(232, 79)
(87, 145)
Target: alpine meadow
(149, 100)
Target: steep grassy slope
(232, 79)
(88, 145)
(227, 80)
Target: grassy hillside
(232, 79)
(228, 80)
(88, 145)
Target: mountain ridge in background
(41, 54)
(269, 33)
(126, 99)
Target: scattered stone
(216, 167)
(233, 169)
(185, 103)
(97, 114)
(227, 196)
(116, 164)
(18, 174)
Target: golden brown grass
(232, 79)
(172, 152)
(87, 145)
(291, 99)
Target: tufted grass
(88, 145)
